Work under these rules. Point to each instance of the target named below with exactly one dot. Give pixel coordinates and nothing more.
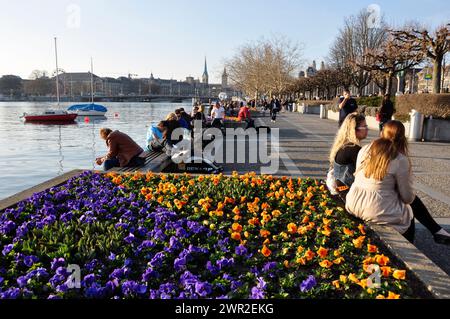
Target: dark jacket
(122, 147)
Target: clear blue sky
(172, 37)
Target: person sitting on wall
(123, 151)
(217, 115)
(244, 115)
(383, 192)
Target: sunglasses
(363, 127)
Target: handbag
(331, 182)
(378, 117)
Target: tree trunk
(389, 84)
(437, 72)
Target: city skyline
(171, 40)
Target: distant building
(224, 78)
(205, 76)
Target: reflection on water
(35, 152)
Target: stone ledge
(430, 275)
(14, 199)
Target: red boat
(50, 116)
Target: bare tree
(393, 57)
(354, 40)
(37, 74)
(433, 46)
(264, 67)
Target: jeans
(114, 162)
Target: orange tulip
(322, 252)
(236, 236)
(309, 254)
(382, 260)
(292, 228)
(266, 251)
(348, 232)
(264, 233)
(372, 248)
(386, 271)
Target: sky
(172, 37)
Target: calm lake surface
(33, 153)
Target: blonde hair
(104, 132)
(346, 134)
(385, 149)
(172, 117)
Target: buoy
(116, 115)
(86, 119)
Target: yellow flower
(362, 229)
(353, 278)
(399, 274)
(386, 271)
(236, 210)
(276, 213)
(391, 295)
(326, 264)
(358, 243)
(264, 233)
(300, 249)
(301, 261)
(348, 232)
(343, 278)
(336, 284)
(292, 228)
(338, 261)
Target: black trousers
(422, 214)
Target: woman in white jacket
(383, 193)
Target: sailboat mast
(92, 81)
(57, 72)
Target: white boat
(90, 109)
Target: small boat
(52, 116)
(55, 115)
(90, 109)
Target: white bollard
(416, 126)
(323, 112)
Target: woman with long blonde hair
(344, 152)
(383, 192)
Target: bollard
(323, 112)
(416, 127)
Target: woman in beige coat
(383, 193)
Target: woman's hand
(99, 160)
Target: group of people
(375, 181)
(123, 151)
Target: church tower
(224, 79)
(205, 77)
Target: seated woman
(122, 150)
(344, 152)
(156, 136)
(382, 192)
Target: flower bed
(169, 236)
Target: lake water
(33, 153)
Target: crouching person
(123, 151)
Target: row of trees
(361, 54)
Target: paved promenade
(305, 141)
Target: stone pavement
(305, 142)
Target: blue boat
(90, 109)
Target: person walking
(275, 106)
(347, 105)
(386, 111)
